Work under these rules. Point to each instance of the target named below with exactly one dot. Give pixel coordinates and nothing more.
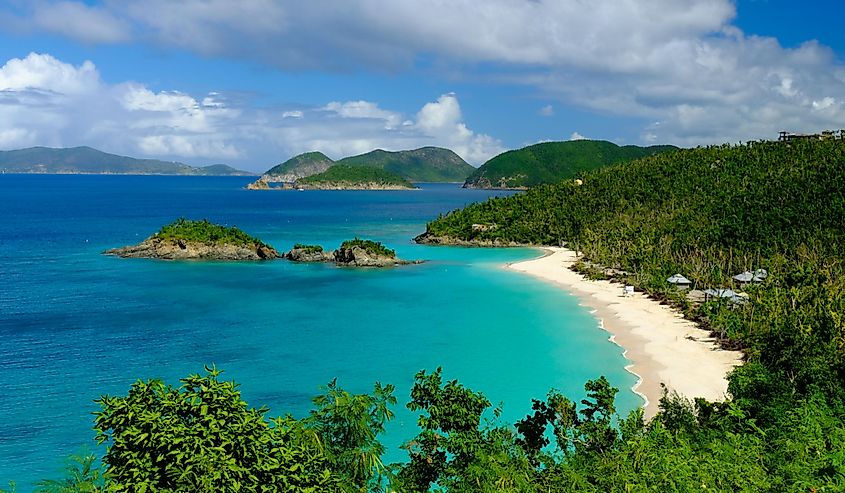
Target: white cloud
(547, 110)
(45, 73)
(364, 109)
(442, 120)
(682, 63)
(45, 101)
(576, 136)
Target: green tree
(453, 451)
(82, 475)
(349, 425)
(202, 437)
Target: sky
(254, 82)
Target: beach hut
(748, 276)
(726, 294)
(679, 281)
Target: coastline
(661, 346)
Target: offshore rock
(359, 257)
(171, 249)
(309, 255)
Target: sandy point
(661, 345)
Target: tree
(349, 425)
(203, 437)
(81, 476)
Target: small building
(679, 281)
(726, 294)
(748, 276)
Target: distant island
(87, 160)
(198, 240)
(351, 253)
(427, 164)
(344, 177)
(551, 162)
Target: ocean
(75, 324)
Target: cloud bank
(44, 101)
(682, 68)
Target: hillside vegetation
(90, 160)
(206, 232)
(356, 175)
(551, 162)
(427, 164)
(300, 166)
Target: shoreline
(660, 345)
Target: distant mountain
(310, 163)
(425, 164)
(221, 170)
(551, 162)
(79, 160)
(345, 177)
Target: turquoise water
(75, 324)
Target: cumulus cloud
(45, 101)
(576, 136)
(45, 73)
(442, 121)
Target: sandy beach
(660, 344)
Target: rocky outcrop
(359, 257)
(259, 184)
(430, 239)
(309, 255)
(343, 185)
(172, 249)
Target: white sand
(661, 345)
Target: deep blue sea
(75, 324)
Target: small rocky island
(340, 177)
(198, 240)
(309, 253)
(352, 253)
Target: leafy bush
(308, 248)
(369, 246)
(206, 232)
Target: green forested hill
(356, 175)
(710, 213)
(300, 166)
(551, 162)
(427, 164)
(90, 160)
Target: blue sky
(254, 82)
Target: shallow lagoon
(75, 324)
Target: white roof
(748, 276)
(678, 279)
